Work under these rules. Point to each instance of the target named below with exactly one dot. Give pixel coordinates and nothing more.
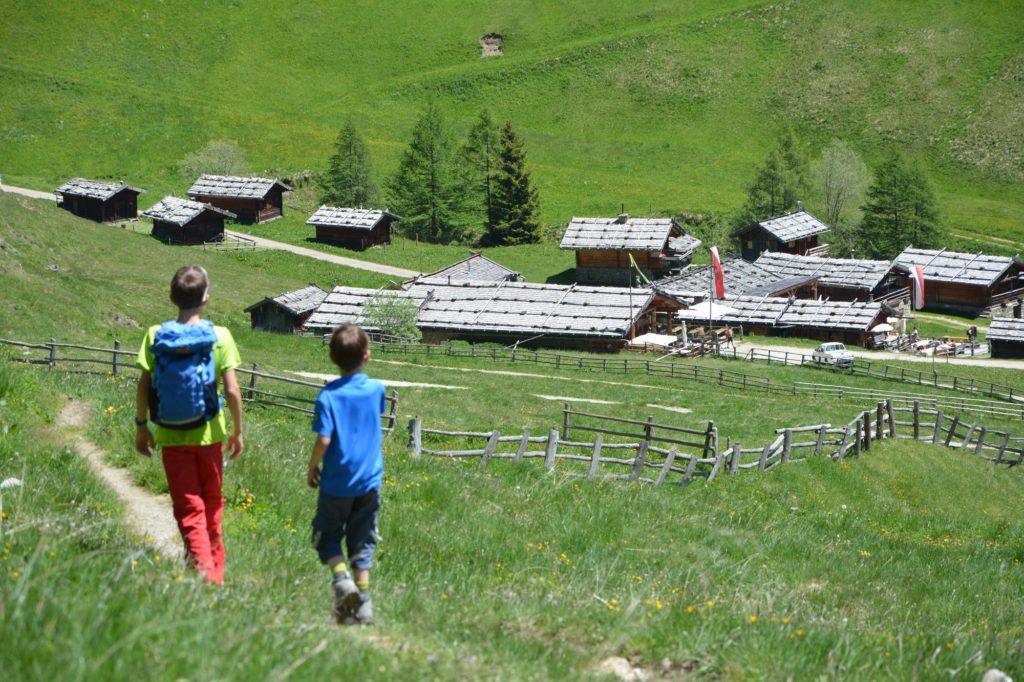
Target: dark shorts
(353, 519)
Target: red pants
(194, 474)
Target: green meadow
(903, 564)
(663, 107)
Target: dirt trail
(149, 515)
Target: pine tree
(516, 201)
(900, 211)
(480, 160)
(428, 190)
(780, 182)
(349, 177)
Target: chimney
(623, 217)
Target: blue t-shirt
(348, 410)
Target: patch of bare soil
(149, 515)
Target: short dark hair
(349, 344)
(189, 286)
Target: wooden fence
(257, 387)
(673, 465)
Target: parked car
(833, 353)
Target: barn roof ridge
(95, 189)
(180, 211)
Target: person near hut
(181, 362)
(727, 335)
(348, 445)
(972, 333)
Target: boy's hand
(313, 475)
(144, 442)
(236, 443)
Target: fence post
(842, 443)
(734, 463)
(523, 444)
(981, 441)
(565, 420)
(549, 456)
(492, 443)
(937, 436)
(595, 456)
(879, 430)
(892, 418)
(865, 419)
(787, 443)
(763, 462)
(416, 437)
(691, 466)
(970, 434)
(53, 353)
(648, 428)
(856, 438)
(641, 459)
(1002, 448)
(667, 466)
(952, 429)
(393, 412)
(707, 439)
(821, 440)
(252, 379)
(116, 369)
(917, 419)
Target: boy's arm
(313, 471)
(144, 442)
(233, 395)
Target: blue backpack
(183, 394)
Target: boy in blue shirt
(347, 423)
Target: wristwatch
(140, 422)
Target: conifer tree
(428, 190)
(900, 211)
(780, 182)
(516, 201)
(349, 177)
(480, 157)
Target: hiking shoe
(346, 597)
(364, 612)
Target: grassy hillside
(663, 106)
(889, 567)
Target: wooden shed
(1006, 338)
(847, 321)
(474, 268)
(841, 279)
(549, 315)
(795, 233)
(966, 282)
(251, 200)
(603, 247)
(353, 228)
(180, 221)
(104, 202)
(288, 312)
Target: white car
(833, 353)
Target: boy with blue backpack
(181, 361)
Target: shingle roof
(355, 218)
(234, 186)
(963, 268)
(694, 283)
(780, 312)
(297, 302)
(685, 245)
(94, 190)
(846, 273)
(526, 310)
(624, 234)
(345, 305)
(1006, 329)
(792, 226)
(180, 211)
(478, 268)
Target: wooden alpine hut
(251, 200)
(287, 312)
(180, 221)
(354, 228)
(604, 246)
(795, 233)
(841, 279)
(103, 202)
(1006, 338)
(967, 282)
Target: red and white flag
(716, 265)
(918, 275)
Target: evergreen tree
(349, 177)
(516, 201)
(900, 211)
(480, 160)
(428, 190)
(780, 182)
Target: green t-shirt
(225, 357)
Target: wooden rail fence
(293, 395)
(648, 463)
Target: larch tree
(480, 159)
(840, 179)
(516, 202)
(779, 184)
(429, 188)
(349, 178)
(900, 211)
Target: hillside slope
(664, 107)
